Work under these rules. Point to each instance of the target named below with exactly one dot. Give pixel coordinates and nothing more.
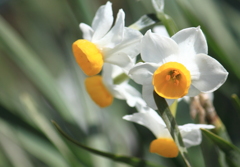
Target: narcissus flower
(177, 66)
(164, 145)
(117, 45)
(103, 90)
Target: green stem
(168, 22)
(118, 158)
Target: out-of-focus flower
(118, 45)
(164, 145)
(177, 66)
(158, 5)
(102, 89)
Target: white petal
(191, 41)
(161, 30)
(142, 73)
(157, 48)
(127, 92)
(87, 31)
(122, 60)
(116, 71)
(150, 119)
(102, 21)
(191, 133)
(193, 91)
(107, 75)
(191, 138)
(115, 35)
(210, 74)
(130, 44)
(147, 93)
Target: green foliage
(118, 158)
(232, 153)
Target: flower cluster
(173, 67)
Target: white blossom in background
(102, 89)
(117, 45)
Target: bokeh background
(40, 81)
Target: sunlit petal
(157, 48)
(191, 41)
(102, 21)
(210, 74)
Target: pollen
(98, 91)
(171, 80)
(165, 147)
(88, 56)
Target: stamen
(168, 77)
(171, 80)
(88, 56)
(98, 91)
(165, 147)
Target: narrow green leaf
(210, 152)
(172, 126)
(136, 162)
(232, 153)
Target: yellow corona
(165, 147)
(98, 91)
(88, 56)
(171, 80)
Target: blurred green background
(40, 81)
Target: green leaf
(232, 153)
(171, 124)
(136, 162)
(211, 154)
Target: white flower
(117, 45)
(102, 89)
(164, 145)
(161, 30)
(158, 5)
(177, 66)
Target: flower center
(88, 56)
(98, 91)
(171, 80)
(165, 147)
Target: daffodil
(177, 66)
(103, 90)
(117, 45)
(164, 144)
